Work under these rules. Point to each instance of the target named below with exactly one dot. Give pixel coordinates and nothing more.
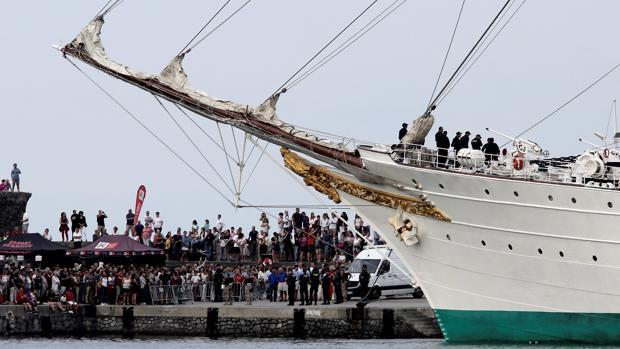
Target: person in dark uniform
(228, 286)
(291, 280)
(304, 278)
(456, 143)
(218, 278)
(464, 141)
(325, 283)
(476, 143)
(443, 145)
(364, 279)
(490, 150)
(315, 280)
(403, 131)
(338, 286)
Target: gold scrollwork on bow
(326, 182)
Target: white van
(385, 280)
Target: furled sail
(419, 130)
(172, 84)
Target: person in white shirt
(220, 223)
(158, 223)
(46, 234)
(324, 222)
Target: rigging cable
(102, 9)
(461, 75)
(112, 7)
(445, 59)
(218, 26)
(182, 52)
(350, 41)
(468, 55)
(193, 143)
(324, 47)
(568, 102)
(204, 132)
(151, 132)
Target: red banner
(139, 201)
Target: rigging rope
(218, 26)
(112, 7)
(193, 143)
(467, 56)
(567, 102)
(204, 132)
(325, 47)
(350, 41)
(232, 178)
(182, 52)
(445, 59)
(149, 131)
(103, 8)
(464, 72)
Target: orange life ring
(517, 163)
(606, 153)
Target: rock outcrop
(12, 208)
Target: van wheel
(375, 293)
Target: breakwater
(220, 321)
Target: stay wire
(182, 52)
(464, 72)
(567, 102)
(102, 9)
(112, 7)
(254, 168)
(193, 143)
(445, 58)
(325, 47)
(218, 26)
(347, 43)
(161, 141)
(232, 177)
(204, 132)
(468, 55)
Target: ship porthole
(448, 237)
(539, 251)
(610, 205)
(550, 197)
(510, 247)
(561, 254)
(486, 191)
(440, 185)
(516, 193)
(573, 200)
(483, 243)
(594, 258)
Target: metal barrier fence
(201, 292)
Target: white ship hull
(530, 266)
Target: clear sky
(77, 150)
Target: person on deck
(490, 150)
(15, 172)
(465, 140)
(476, 143)
(403, 131)
(443, 145)
(456, 143)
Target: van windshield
(371, 264)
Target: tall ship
(509, 247)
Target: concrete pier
(402, 318)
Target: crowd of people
(13, 183)
(65, 288)
(296, 237)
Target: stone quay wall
(12, 208)
(215, 322)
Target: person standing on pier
(291, 281)
(74, 222)
(228, 289)
(101, 216)
(364, 279)
(315, 280)
(338, 286)
(218, 279)
(304, 278)
(325, 284)
(129, 228)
